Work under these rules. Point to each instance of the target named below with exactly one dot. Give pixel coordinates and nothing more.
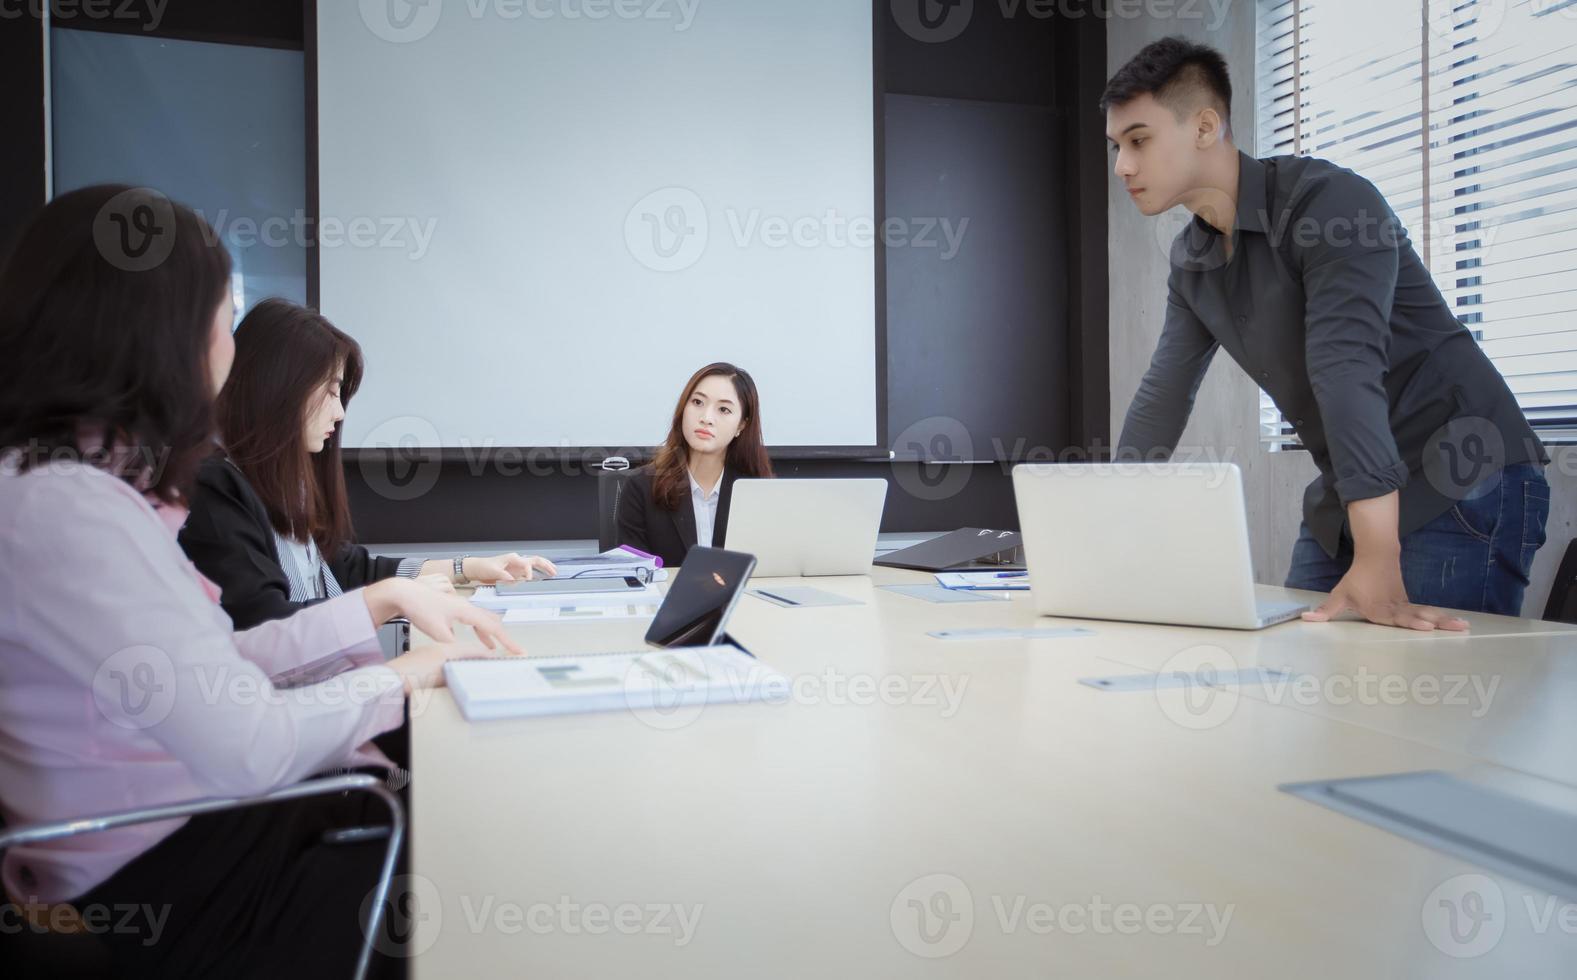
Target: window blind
(1464, 114)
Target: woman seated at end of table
(714, 439)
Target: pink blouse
(123, 685)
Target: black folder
(960, 550)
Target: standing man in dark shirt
(1431, 486)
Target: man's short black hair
(1171, 69)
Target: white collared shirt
(303, 561)
(705, 505)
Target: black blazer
(668, 534)
(229, 538)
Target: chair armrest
(352, 782)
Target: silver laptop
(1149, 543)
(806, 527)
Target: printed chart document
(657, 681)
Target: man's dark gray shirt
(1324, 302)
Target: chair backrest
(1562, 607)
(611, 485)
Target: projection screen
(540, 217)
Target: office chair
(1562, 607)
(82, 955)
(611, 485)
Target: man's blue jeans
(1475, 556)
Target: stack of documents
(984, 581)
(656, 681)
(614, 563)
(488, 598)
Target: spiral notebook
(637, 680)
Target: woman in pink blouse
(121, 682)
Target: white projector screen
(539, 217)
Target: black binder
(960, 550)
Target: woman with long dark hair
(270, 523)
(122, 682)
(714, 439)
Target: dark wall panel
(991, 50)
(1081, 77)
(454, 502)
(21, 124)
(977, 309)
(264, 23)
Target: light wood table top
(917, 797)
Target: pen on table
(783, 599)
(1012, 574)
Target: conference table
(985, 807)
